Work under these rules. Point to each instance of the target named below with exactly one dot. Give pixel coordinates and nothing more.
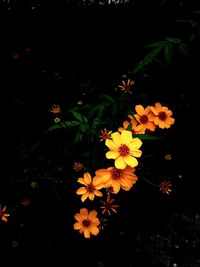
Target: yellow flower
(3, 215)
(105, 134)
(145, 117)
(90, 188)
(87, 222)
(163, 116)
(108, 205)
(118, 178)
(165, 187)
(124, 149)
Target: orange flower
(118, 178)
(165, 187)
(87, 222)
(90, 188)
(127, 87)
(105, 134)
(163, 116)
(132, 126)
(3, 215)
(123, 149)
(55, 109)
(145, 116)
(108, 205)
(78, 166)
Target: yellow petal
(98, 193)
(91, 195)
(126, 137)
(111, 145)
(81, 181)
(112, 154)
(119, 163)
(135, 144)
(116, 138)
(136, 153)
(131, 161)
(84, 197)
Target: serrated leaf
(173, 40)
(148, 59)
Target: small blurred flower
(123, 149)
(91, 187)
(55, 109)
(103, 223)
(3, 215)
(79, 103)
(127, 87)
(78, 166)
(56, 120)
(105, 134)
(34, 184)
(165, 187)
(26, 202)
(14, 244)
(168, 157)
(87, 222)
(108, 206)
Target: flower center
(144, 119)
(124, 150)
(116, 173)
(162, 116)
(90, 187)
(86, 223)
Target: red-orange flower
(108, 206)
(145, 117)
(78, 166)
(165, 187)
(55, 109)
(105, 134)
(3, 215)
(127, 87)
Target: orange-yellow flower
(87, 222)
(145, 116)
(124, 149)
(118, 178)
(91, 187)
(165, 187)
(132, 126)
(3, 215)
(105, 134)
(108, 206)
(163, 116)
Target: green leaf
(156, 44)
(109, 98)
(146, 136)
(148, 59)
(183, 48)
(168, 53)
(70, 123)
(173, 40)
(79, 116)
(54, 127)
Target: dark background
(46, 51)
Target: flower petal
(87, 178)
(92, 214)
(119, 163)
(131, 161)
(81, 191)
(139, 109)
(112, 154)
(77, 225)
(86, 233)
(94, 230)
(126, 137)
(116, 138)
(111, 145)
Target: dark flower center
(116, 173)
(162, 116)
(144, 119)
(124, 150)
(86, 223)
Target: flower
(168, 157)
(165, 187)
(105, 134)
(108, 205)
(26, 202)
(163, 116)
(127, 87)
(123, 149)
(133, 126)
(78, 166)
(3, 215)
(55, 109)
(145, 116)
(118, 178)
(87, 222)
(90, 188)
